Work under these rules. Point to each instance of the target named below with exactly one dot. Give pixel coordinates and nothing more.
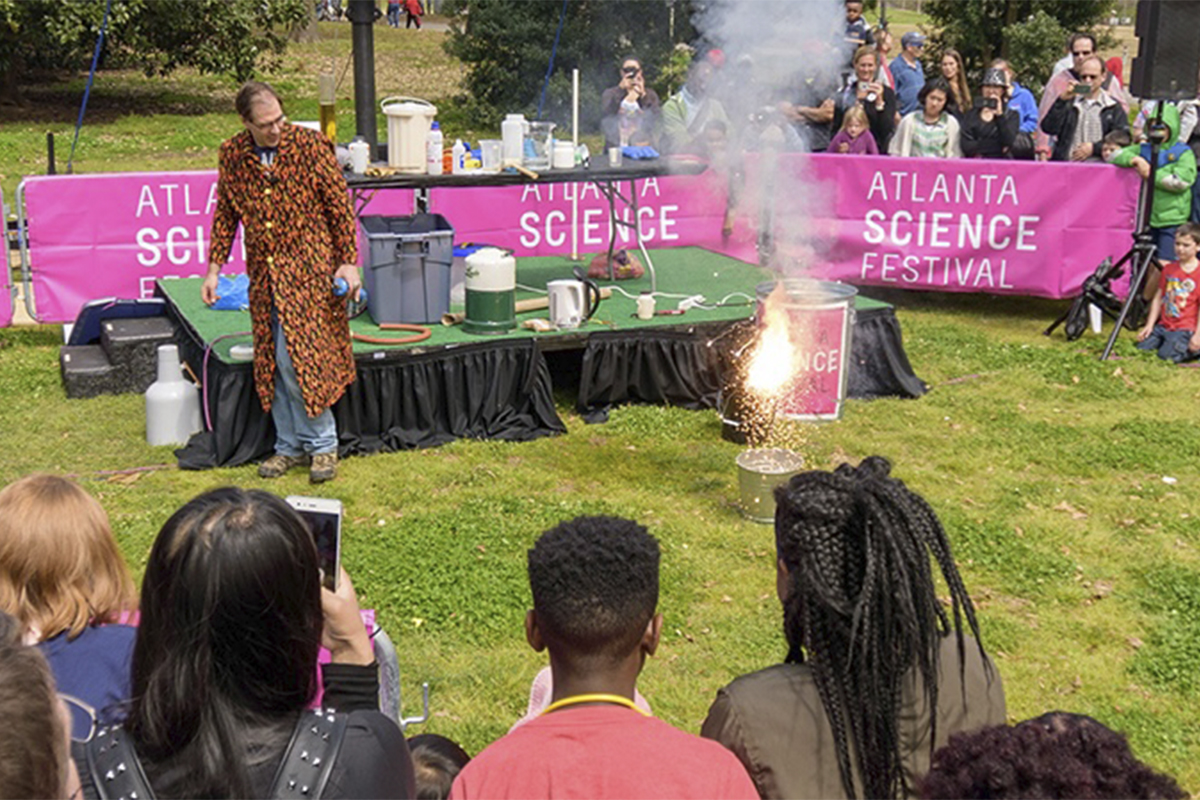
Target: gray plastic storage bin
(407, 272)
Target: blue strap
(553, 51)
(88, 89)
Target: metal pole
(362, 20)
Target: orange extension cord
(420, 334)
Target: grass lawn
(1075, 532)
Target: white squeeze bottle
(512, 133)
(433, 151)
(457, 156)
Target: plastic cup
(614, 156)
(490, 150)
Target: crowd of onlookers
(207, 685)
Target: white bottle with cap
(512, 133)
(458, 157)
(433, 150)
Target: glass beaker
(539, 145)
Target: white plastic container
(434, 144)
(172, 402)
(564, 155)
(360, 156)
(457, 154)
(409, 120)
(512, 134)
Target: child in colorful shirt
(1171, 326)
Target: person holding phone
(225, 662)
(1083, 115)
(629, 111)
(876, 99)
(990, 128)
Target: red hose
(420, 334)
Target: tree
(506, 46)
(1031, 34)
(216, 36)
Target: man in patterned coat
(283, 184)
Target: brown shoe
(279, 464)
(324, 468)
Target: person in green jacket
(688, 111)
(1173, 181)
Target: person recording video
(990, 127)
(629, 111)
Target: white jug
(172, 402)
(572, 302)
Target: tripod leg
(1143, 257)
(1061, 319)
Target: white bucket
(408, 124)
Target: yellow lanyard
(616, 699)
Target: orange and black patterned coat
(299, 227)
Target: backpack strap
(309, 759)
(114, 767)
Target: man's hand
(1142, 166)
(1081, 151)
(343, 634)
(350, 273)
(1194, 342)
(208, 289)
(1068, 93)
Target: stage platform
(458, 385)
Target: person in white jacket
(930, 131)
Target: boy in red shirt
(595, 592)
(1171, 325)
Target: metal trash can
(407, 269)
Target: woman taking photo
(225, 665)
(877, 100)
(930, 131)
(875, 664)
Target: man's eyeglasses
(83, 718)
(279, 122)
(1081, 53)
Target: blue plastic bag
(233, 293)
(639, 153)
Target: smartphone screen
(1082, 88)
(324, 519)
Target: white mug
(571, 302)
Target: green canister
(491, 285)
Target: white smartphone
(324, 518)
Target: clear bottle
(327, 106)
(433, 150)
(512, 134)
(457, 156)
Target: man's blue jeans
(296, 433)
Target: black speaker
(1168, 58)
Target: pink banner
(6, 286)
(965, 225)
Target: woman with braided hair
(878, 674)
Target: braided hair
(862, 609)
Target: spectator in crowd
(35, 741)
(1080, 119)
(883, 46)
(393, 13)
(990, 129)
(876, 666)
(686, 112)
(225, 665)
(63, 579)
(1055, 755)
(436, 763)
(413, 12)
(1114, 142)
(930, 131)
(629, 111)
(1082, 46)
(1170, 327)
(855, 135)
(908, 72)
(858, 32)
(810, 111)
(862, 91)
(595, 590)
(959, 102)
(1020, 99)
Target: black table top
(629, 170)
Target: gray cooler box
(407, 267)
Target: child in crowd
(1113, 143)
(436, 763)
(1171, 325)
(854, 137)
(595, 591)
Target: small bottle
(457, 154)
(645, 306)
(433, 150)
